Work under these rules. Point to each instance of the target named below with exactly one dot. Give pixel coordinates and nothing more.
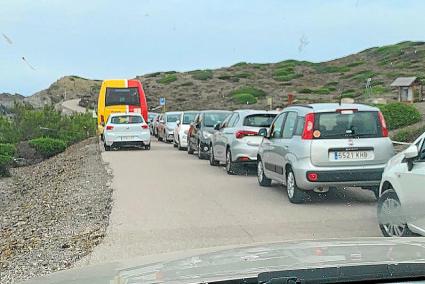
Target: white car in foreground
(401, 204)
(126, 130)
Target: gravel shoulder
(53, 213)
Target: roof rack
(300, 105)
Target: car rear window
(259, 120)
(212, 118)
(173, 117)
(188, 118)
(122, 96)
(336, 125)
(126, 119)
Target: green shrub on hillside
(244, 75)
(167, 79)
(379, 89)
(247, 94)
(286, 78)
(7, 149)
(331, 69)
(362, 75)
(350, 93)
(355, 63)
(240, 64)
(185, 84)
(250, 90)
(202, 75)
(8, 133)
(399, 114)
(48, 147)
(305, 91)
(5, 162)
(245, 98)
(408, 135)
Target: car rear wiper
(341, 274)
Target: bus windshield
(122, 96)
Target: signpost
(162, 103)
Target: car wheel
(230, 166)
(213, 161)
(107, 148)
(391, 221)
(200, 155)
(262, 179)
(189, 148)
(148, 147)
(295, 194)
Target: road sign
(162, 101)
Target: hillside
(232, 87)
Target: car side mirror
(217, 126)
(409, 155)
(263, 132)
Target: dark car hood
(249, 261)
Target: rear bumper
(348, 175)
(115, 140)
(243, 153)
(129, 144)
(361, 176)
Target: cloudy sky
(119, 39)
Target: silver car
(167, 123)
(236, 142)
(318, 146)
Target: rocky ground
(53, 213)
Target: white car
(183, 125)
(126, 130)
(401, 204)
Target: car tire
(201, 155)
(148, 147)
(213, 161)
(230, 166)
(295, 194)
(389, 208)
(107, 148)
(261, 177)
(189, 148)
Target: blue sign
(162, 101)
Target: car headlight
(207, 135)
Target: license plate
(351, 155)
(127, 138)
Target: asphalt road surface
(166, 200)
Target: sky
(101, 39)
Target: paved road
(166, 200)
(71, 106)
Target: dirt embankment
(53, 213)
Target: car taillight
(312, 176)
(109, 127)
(242, 133)
(383, 124)
(308, 127)
(145, 126)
